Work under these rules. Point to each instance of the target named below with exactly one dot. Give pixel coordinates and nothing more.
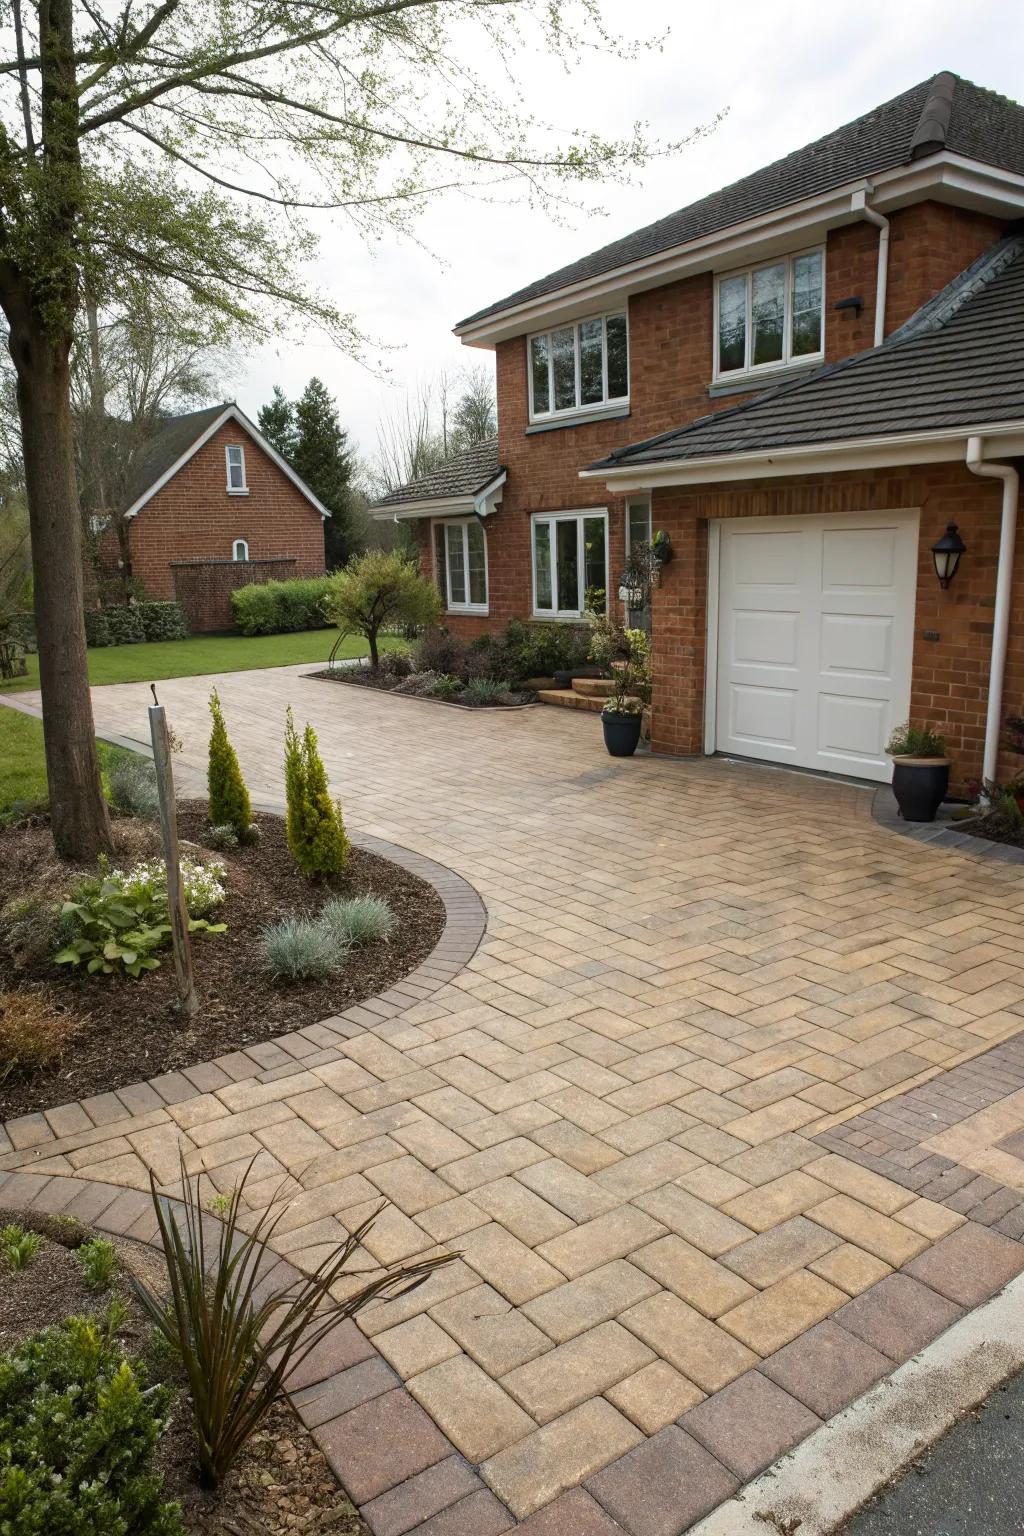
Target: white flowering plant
(204, 883)
(114, 922)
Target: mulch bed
(363, 677)
(130, 1030)
(281, 1481)
(996, 826)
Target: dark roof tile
(463, 474)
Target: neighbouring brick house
(802, 379)
(212, 507)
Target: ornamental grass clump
(358, 919)
(229, 798)
(237, 1341)
(316, 831)
(301, 949)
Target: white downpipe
(881, 223)
(1004, 583)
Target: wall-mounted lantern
(946, 554)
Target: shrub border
(421, 698)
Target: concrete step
(594, 687)
(568, 698)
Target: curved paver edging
(403, 1473)
(940, 833)
(422, 698)
(465, 922)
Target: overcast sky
(787, 71)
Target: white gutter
(1004, 582)
(881, 223)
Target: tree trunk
(371, 636)
(78, 811)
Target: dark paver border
(40, 1133)
(940, 833)
(403, 1473)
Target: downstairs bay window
(460, 561)
(570, 564)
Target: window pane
(477, 563)
(595, 596)
(639, 524)
(563, 352)
(591, 362)
(807, 296)
(767, 314)
(618, 357)
(542, 565)
(440, 565)
(456, 564)
(568, 564)
(732, 324)
(539, 367)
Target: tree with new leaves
(316, 831)
(381, 588)
(229, 804)
(161, 147)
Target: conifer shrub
(229, 798)
(316, 831)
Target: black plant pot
(920, 785)
(621, 733)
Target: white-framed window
(579, 367)
(639, 533)
(239, 550)
(570, 563)
(770, 315)
(234, 454)
(460, 561)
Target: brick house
(212, 506)
(802, 379)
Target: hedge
(281, 607)
(163, 621)
(120, 624)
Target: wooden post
(176, 905)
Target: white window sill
(460, 609)
(238, 490)
(559, 618)
(613, 410)
(747, 382)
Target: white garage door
(815, 632)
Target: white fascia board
(486, 501)
(438, 506)
(1002, 440)
(945, 177)
(230, 413)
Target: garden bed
(995, 826)
(121, 1030)
(281, 1481)
(423, 685)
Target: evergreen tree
(316, 829)
(229, 798)
(323, 457)
(276, 421)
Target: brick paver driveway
(689, 970)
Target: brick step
(594, 687)
(568, 698)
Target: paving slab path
(724, 1117)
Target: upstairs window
(235, 455)
(579, 367)
(771, 315)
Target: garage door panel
(766, 638)
(857, 643)
(863, 559)
(767, 559)
(765, 716)
(815, 635)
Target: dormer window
(579, 368)
(235, 456)
(771, 315)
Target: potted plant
(622, 717)
(920, 771)
(661, 547)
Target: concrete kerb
(818, 1486)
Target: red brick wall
(194, 518)
(950, 676)
(670, 371)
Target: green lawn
(22, 764)
(204, 653)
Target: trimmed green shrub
(303, 949)
(98, 1259)
(229, 799)
(316, 831)
(131, 786)
(78, 1427)
(162, 621)
(124, 625)
(379, 591)
(358, 919)
(17, 1247)
(281, 607)
(97, 630)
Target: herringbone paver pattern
(691, 972)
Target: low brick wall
(204, 587)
